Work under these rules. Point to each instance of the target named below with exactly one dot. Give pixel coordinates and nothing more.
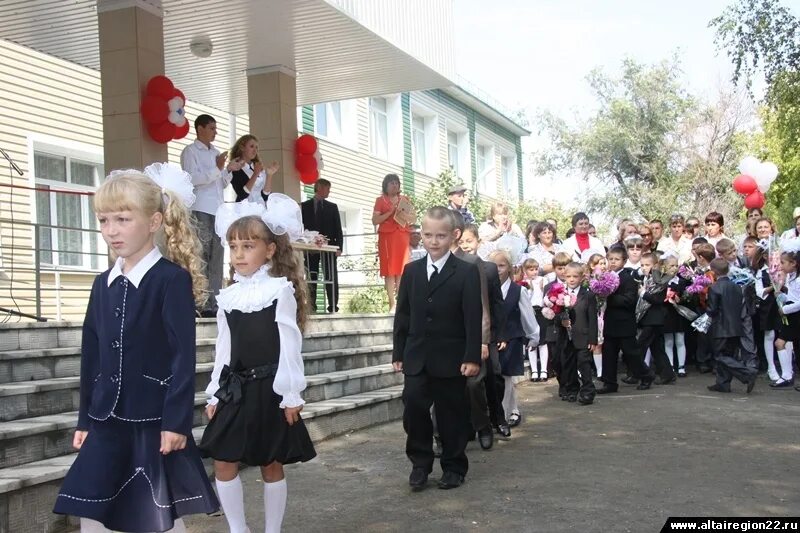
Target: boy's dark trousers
(495, 387)
(574, 360)
(703, 355)
(652, 337)
(728, 367)
(630, 354)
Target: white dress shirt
(439, 264)
(138, 271)
(200, 162)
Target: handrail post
(37, 270)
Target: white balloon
(769, 170)
(749, 166)
(318, 157)
(763, 183)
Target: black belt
(230, 382)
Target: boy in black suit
(550, 333)
(725, 310)
(437, 345)
(580, 332)
(651, 324)
(323, 216)
(619, 329)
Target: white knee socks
(274, 505)
(680, 346)
(769, 352)
(669, 347)
(598, 363)
(785, 358)
(510, 397)
(231, 496)
(539, 353)
(544, 357)
(532, 358)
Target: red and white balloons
(754, 181)
(163, 111)
(308, 160)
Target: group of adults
(241, 168)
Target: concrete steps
(350, 385)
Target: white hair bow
(281, 215)
(169, 177)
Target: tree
(655, 148)
(763, 36)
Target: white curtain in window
(418, 144)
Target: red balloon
(306, 164)
(306, 144)
(154, 110)
(309, 178)
(161, 133)
(179, 93)
(181, 131)
(755, 200)
(161, 87)
(744, 184)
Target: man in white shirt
(206, 165)
(677, 241)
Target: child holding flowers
(601, 283)
(538, 356)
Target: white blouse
(251, 294)
(792, 295)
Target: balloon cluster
(754, 181)
(308, 160)
(163, 110)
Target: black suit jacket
(584, 320)
(329, 223)
(490, 274)
(437, 324)
(620, 317)
(725, 309)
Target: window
(379, 127)
(508, 170)
(419, 161)
(458, 153)
(75, 175)
(452, 153)
(336, 122)
(485, 166)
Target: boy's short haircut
(676, 219)
(202, 121)
(573, 265)
(715, 217)
(458, 220)
(706, 251)
(725, 246)
(699, 240)
(650, 256)
(441, 213)
(619, 250)
(750, 240)
(719, 266)
(561, 259)
(657, 221)
(500, 253)
(530, 263)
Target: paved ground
(625, 463)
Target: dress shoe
(450, 480)
(486, 438)
(780, 384)
(504, 431)
(660, 381)
(514, 420)
(704, 369)
(681, 372)
(630, 380)
(645, 384)
(543, 378)
(572, 398)
(437, 447)
(751, 383)
(208, 313)
(717, 388)
(586, 400)
(608, 389)
(418, 479)
(330, 310)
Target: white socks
(510, 397)
(231, 496)
(769, 352)
(598, 363)
(540, 353)
(93, 526)
(274, 505)
(680, 346)
(544, 356)
(532, 357)
(785, 358)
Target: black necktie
(433, 274)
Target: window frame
(486, 179)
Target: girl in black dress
(253, 178)
(675, 326)
(767, 320)
(254, 395)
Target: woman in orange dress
(393, 238)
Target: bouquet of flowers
(700, 284)
(603, 284)
(557, 303)
(702, 323)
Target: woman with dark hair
(715, 228)
(581, 242)
(393, 237)
(545, 249)
(529, 237)
(246, 180)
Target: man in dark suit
(725, 303)
(323, 216)
(580, 332)
(619, 330)
(437, 345)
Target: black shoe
(514, 420)
(450, 480)
(437, 447)
(777, 385)
(751, 383)
(486, 438)
(572, 398)
(630, 380)
(681, 372)
(608, 389)
(330, 310)
(208, 313)
(717, 388)
(645, 384)
(670, 381)
(504, 431)
(703, 369)
(418, 479)
(586, 400)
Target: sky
(535, 55)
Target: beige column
(131, 52)
(272, 106)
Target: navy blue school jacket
(437, 325)
(138, 350)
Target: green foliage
(368, 300)
(436, 194)
(655, 148)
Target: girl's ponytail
(182, 245)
